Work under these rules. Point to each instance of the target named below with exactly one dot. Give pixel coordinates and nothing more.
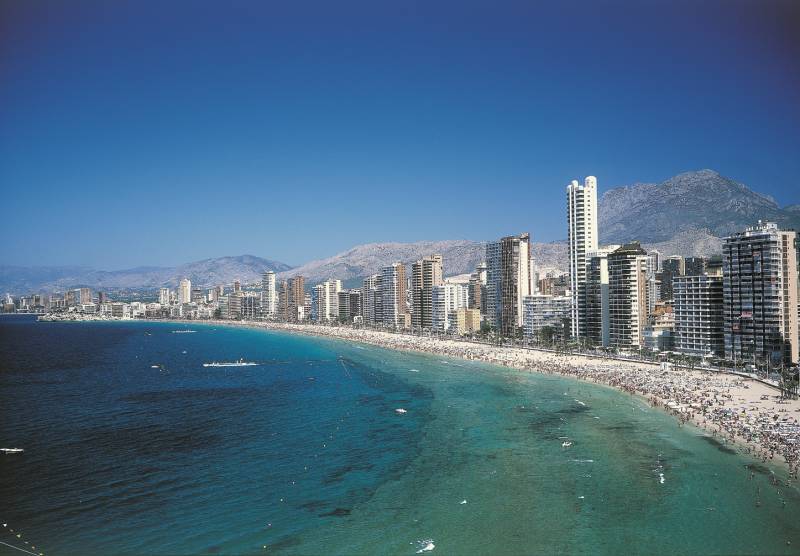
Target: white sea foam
(583, 460)
(661, 478)
(413, 370)
(425, 546)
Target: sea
(132, 446)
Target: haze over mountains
(684, 215)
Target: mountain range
(205, 273)
(684, 215)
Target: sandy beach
(741, 413)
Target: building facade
(393, 295)
(759, 286)
(269, 294)
(426, 274)
(582, 238)
(547, 311)
(508, 281)
(627, 293)
(596, 297)
(697, 302)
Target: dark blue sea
(132, 446)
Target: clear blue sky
(156, 133)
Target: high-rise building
(393, 295)
(197, 295)
(596, 321)
(84, 296)
(184, 291)
(296, 299)
(269, 296)
(349, 305)
(163, 296)
(237, 286)
(283, 300)
(508, 280)
(325, 300)
(250, 305)
(446, 299)
(372, 300)
(670, 268)
(582, 238)
(477, 287)
(627, 292)
(698, 314)
(760, 295)
(426, 274)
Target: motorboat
(239, 363)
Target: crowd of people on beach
(738, 411)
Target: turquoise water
(306, 454)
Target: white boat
(184, 331)
(400, 410)
(12, 450)
(566, 444)
(239, 363)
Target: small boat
(155, 366)
(566, 444)
(184, 331)
(239, 363)
(12, 450)
(400, 410)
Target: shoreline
(739, 412)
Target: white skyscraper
(582, 237)
(163, 296)
(185, 291)
(269, 296)
(325, 298)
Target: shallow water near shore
(306, 453)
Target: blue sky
(156, 133)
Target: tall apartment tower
(296, 299)
(477, 288)
(163, 296)
(426, 274)
(393, 294)
(184, 291)
(582, 237)
(671, 268)
(698, 313)
(759, 289)
(371, 300)
(326, 300)
(627, 293)
(508, 281)
(596, 297)
(269, 295)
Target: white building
(163, 296)
(543, 311)
(371, 299)
(393, 295)
(582, 237)
(446, 299)
(325, 300)
(184, 291)
(269, 295)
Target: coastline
(741, 413)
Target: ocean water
(305, 454)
